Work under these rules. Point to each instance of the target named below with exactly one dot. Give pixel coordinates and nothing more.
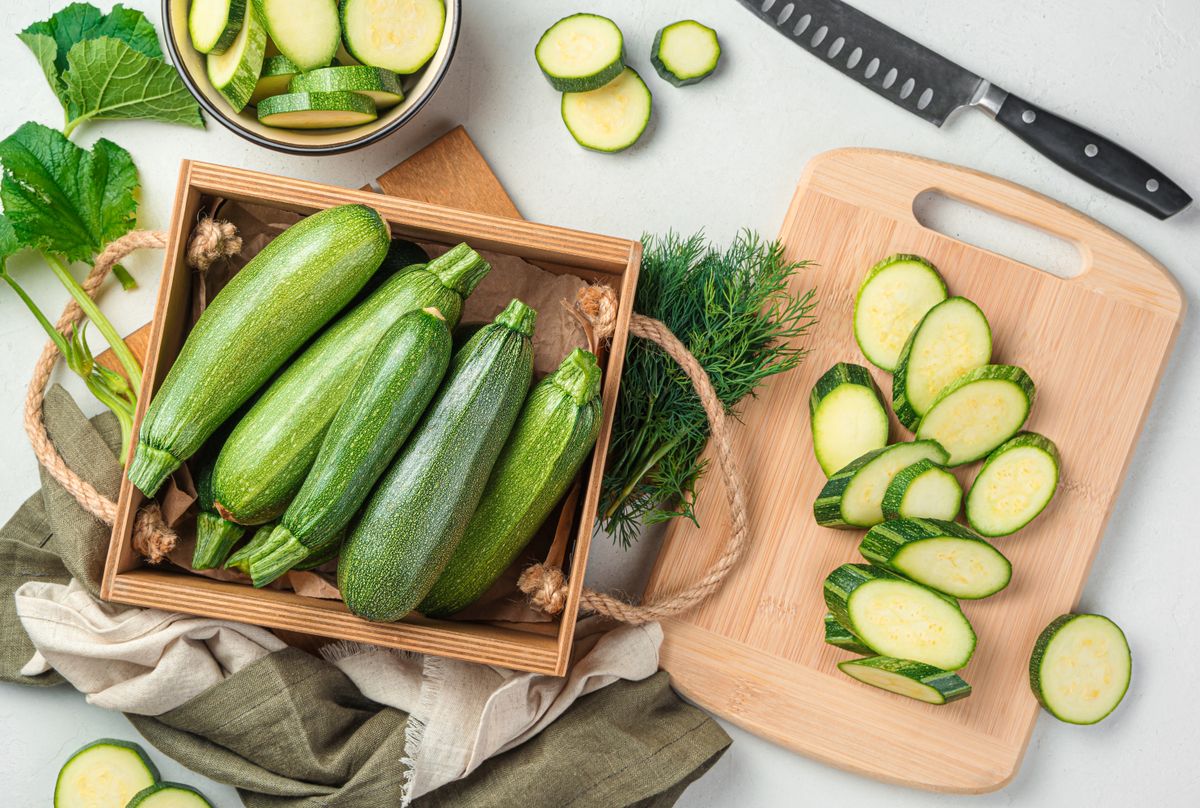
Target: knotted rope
(151, 536)
(547, 586)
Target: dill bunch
(733, 311)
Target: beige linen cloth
(147, 661)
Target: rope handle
(546, 586)
(152, 538)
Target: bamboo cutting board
(1095, 345)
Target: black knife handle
(1093, 158)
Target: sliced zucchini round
(612, 118)
(839, 636)
(940, 554)
(952, 338)
(685, 52)
(899, 618)
(305, 31)
(396, 35)
(847, 416)
(381, 86)
(1016, 483)
(276, 75)
(234, 72)
(978, 412)
(853, 497)
(905, 677)
(581, 52)
(214, 24)
(924, 489)
(1080, 668)
(169, 795)
(104, 773)
(316, 110)
(893, 297)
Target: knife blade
(930, 86)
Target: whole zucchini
(555, 432)
(215, 536)
(300, 280)
(385, 402)
(417, 515)
(269, 453)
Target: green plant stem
(128, 282)
(125, 356)
(120, 408)
(638, 476)
(52, 332)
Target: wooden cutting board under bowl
(1095, 344)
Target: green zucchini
(581, 52)
(685, 52)
(269, 453)
(924, 489)
(240, 560)
(234, 72)
(215, 536)
(214, 24)
(853, 497)
(1016, 483)
(275, 77)
(322, 556)
(611, 118)
(904, 677)
(104, 773)
(554, 434)
(939, 554)
(316, 110)
(839, 636)
(400, 36)
(1080, 668)
(893, 297)
(169, 795)
(396, 383)
(416, 517)
(380, 85)
(899, 618)
(978, 412)
(847, 416)
(267, 311)
(305, 31)
(952, 338)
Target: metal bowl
(418, 89)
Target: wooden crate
(537, 647)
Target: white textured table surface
(723, 155)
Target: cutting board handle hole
(1013, 239)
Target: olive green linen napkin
(292, 730)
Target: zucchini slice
(905, 677)
(923, 489)
(381, 86)
(939, 554)
(581, 52)
(276, 75)
(305, 31)
(839, 636)
(1080, 668)
(104, 773)
(847, 416)
(612, 118)
(894, 296)
(235, 71)
(952, 338)
(316, 110)
(685, 52)
(978, 412)
(1016, 483)
(169, 795)
(854, 496)
(396, 35)
(214, 24)
(899, 618)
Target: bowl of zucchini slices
(312, 76)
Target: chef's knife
(931, 87)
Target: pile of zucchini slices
(900, 610)
(314, 64)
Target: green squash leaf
(81, 21)
(45, 49)
(106, 78)
(62, 198)
(9, 243)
